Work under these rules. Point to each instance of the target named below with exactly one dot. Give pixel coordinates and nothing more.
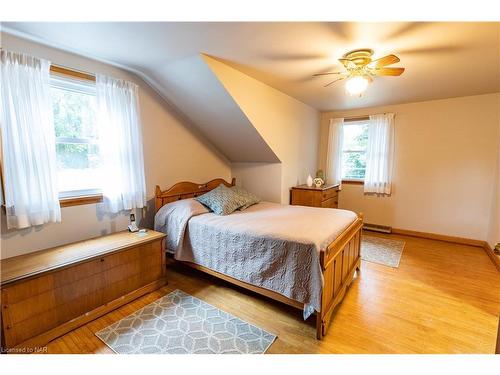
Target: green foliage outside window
(354, 155)
(74, 122)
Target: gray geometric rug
(180, 323)
(381, 250)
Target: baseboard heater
(377, 228)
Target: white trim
(71, 84)
(79, 141)
(355, 122)
(79, 193)
(82, 87)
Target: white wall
(289, 126)
(445, 161)
(262, 179)
(173, 152)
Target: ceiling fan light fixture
(361, 69)
(356, 85)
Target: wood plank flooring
(443, 298)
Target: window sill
(80, 200)
(75, 201)
(353, 182)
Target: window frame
(76, 197)
(351, 122)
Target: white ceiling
(442, 60)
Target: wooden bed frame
(339, 261)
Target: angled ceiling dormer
(191, 86)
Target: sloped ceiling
(191, 86)
(442, 60)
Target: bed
(303, 256)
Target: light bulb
(356, 85)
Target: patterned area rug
(381, 250)
(180, 323)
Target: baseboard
(377, 228)
(497, 349)
(439, 237)
(459, 240)
(494, 258)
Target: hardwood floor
(443, 298)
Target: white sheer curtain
(379, 154)
(124, 186)
(28, 141)
(334, 151)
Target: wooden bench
(48, 293)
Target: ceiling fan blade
(383, 61)
(338, 79)
(325, 74)
(389, 71)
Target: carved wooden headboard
(184, 190)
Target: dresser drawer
(127, 277)
(129, 256)
(39, 285)
(18, 292)
(38, 304)
(330, 203)
(36, 312)
(329, 194)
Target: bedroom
(213, 135)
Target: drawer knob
(102, 259)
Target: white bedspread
(269, 245)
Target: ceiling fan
(361, 70)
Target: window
(77, 136)
(355, 140)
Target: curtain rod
(356, 118)
(359, 118)
(68, 71)
(72, 72)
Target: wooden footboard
(339, 263)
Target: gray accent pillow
(221, 200)
(249, 198)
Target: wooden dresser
(325, 196)
(50, 292)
